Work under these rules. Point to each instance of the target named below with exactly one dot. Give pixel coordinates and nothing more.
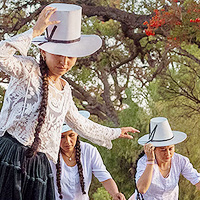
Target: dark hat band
(152, 140)
(49, 38)
(152, 134)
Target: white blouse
(167, 188)
(23, 97)
(70, 184)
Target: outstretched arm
(92, 131)
(112, 188)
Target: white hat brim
(87, 45)
(178, 137)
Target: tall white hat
(65, 38)
(84, 113)
(161, 134)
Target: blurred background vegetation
(134, 76)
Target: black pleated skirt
(35, 182)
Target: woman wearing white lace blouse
(159, 168)
(77, 161)
(38, 100)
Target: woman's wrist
(35, 33)
(151, 159)
(150, 162)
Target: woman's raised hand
(149, 151)
(43, 21)
(125, 130)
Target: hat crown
(65, 38)
(69, 28)
(160, 129)
(160, 134)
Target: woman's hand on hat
(43, 21)
(125, 130)
(149, 151)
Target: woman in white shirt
(159, 168)
(38, 100)
(77, 162)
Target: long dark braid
(80, 169)
(58, 176)
(135, 170)
(78, 162)
(42, 112)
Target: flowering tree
(150, 52)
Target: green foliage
(121, 158)
(101, 194)
(83, 75)
(109, 28)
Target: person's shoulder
(180, 158)
(86, 146)
(141, 164)
(88, 150)
(143, 159)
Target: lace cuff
(21, 42)
(15, 65)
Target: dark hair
(80, 169)
(42, 112)
(79, 165)
(58, 174)
(135, 170)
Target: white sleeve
(14, 65)
(141, 166)
(98, 167)
(88, 129)
(188, 171)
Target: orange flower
(156, 11)
(145, 23)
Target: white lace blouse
(22, 101)
(167, 188)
